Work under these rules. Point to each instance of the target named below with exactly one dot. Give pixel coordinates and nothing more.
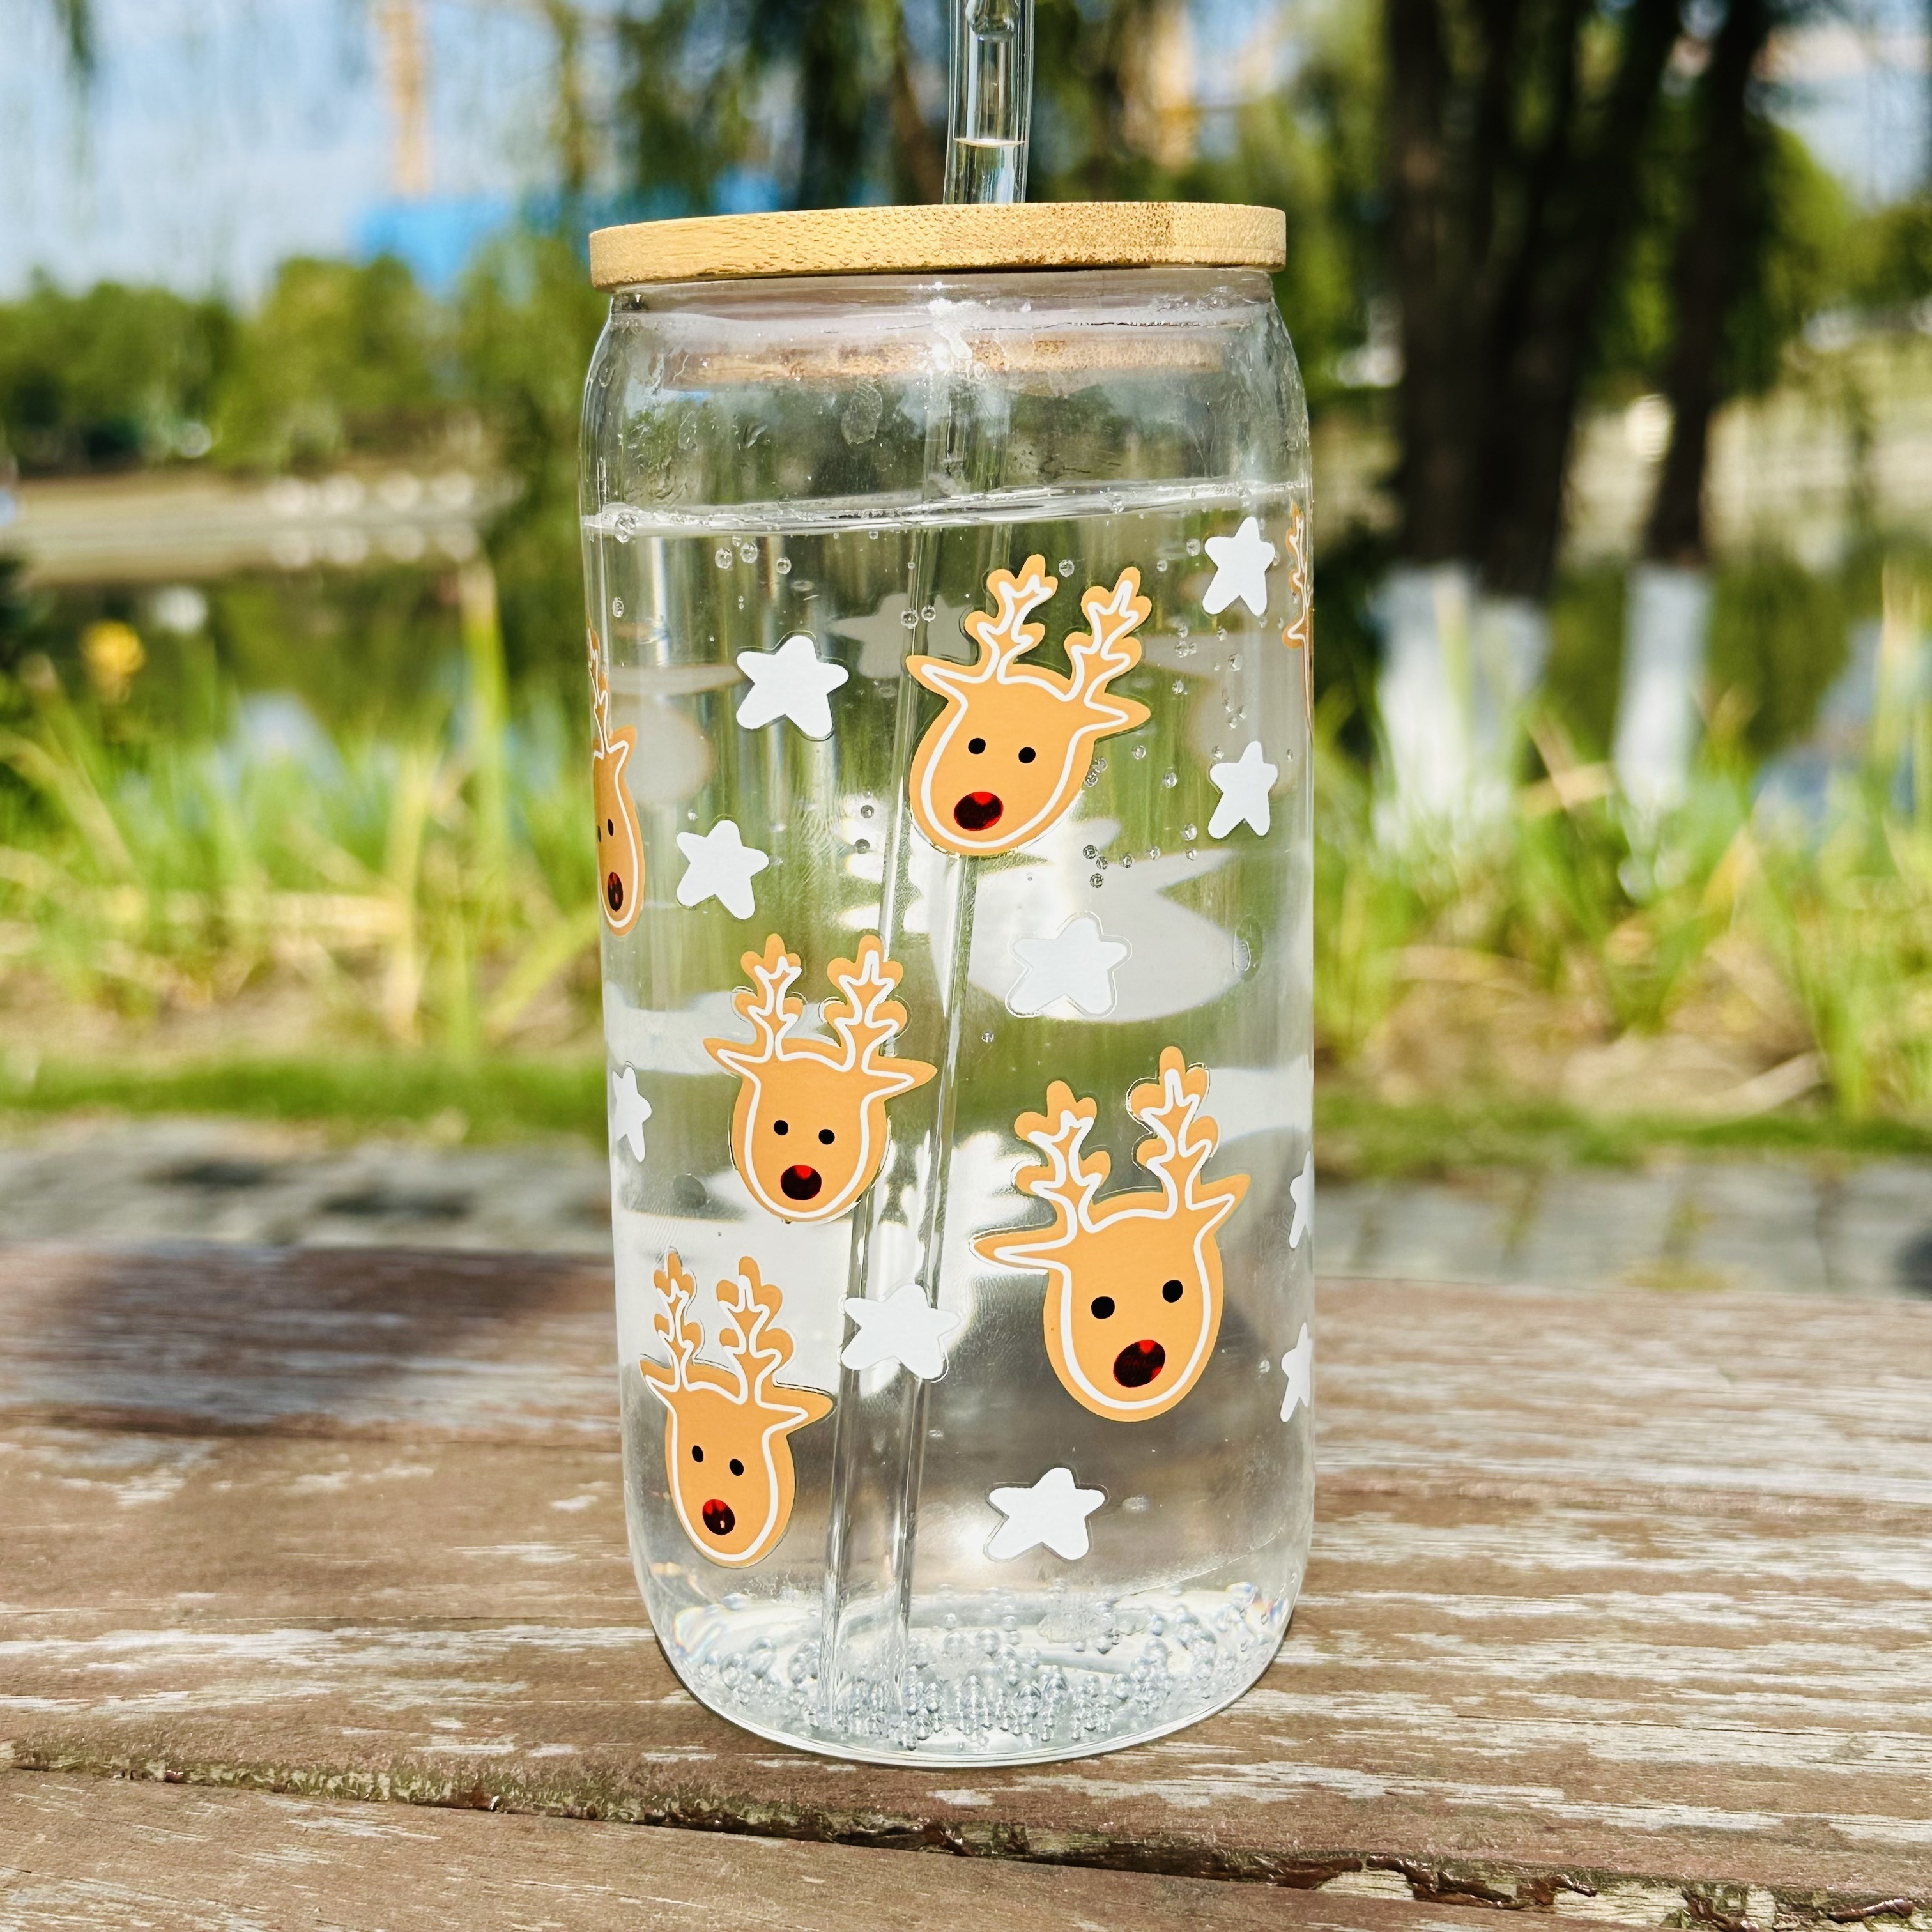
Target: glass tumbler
(947, 577)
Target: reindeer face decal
(1007, 757)
(1133, 1297)
(727, 1452)
(809, 1132)
(620, 845)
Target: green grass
(508, 1098)
(499, 1098)
(1359, 1137)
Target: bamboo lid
(887, 240)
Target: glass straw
(986, 161)
(992, 101)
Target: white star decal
(629, 1110)
(1241, 565)
(904, 1328)
(1243, 787)
(1052, 1512)
(719, 865)
(1298, 1365)
(1075, 963)
(792, 681)
(1301, 1191)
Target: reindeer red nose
(613, 891)
(1138, 1363)
(979, 809)
(800, 1182)
(719, 1517)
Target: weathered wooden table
(1620, 1608)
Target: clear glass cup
(949, 656)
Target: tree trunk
(1593, 208)
(919, 151)
(1713, 252)
(1433, 291)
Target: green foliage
(1807, 245)
(1778, 637)
(525, 325)
(489, 1097)
(1584, 671)
(427, 885)
(115, 377)
(341, 361)
(697, 75)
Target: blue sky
(220, 136)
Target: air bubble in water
(1095, 880)
(1193, 546)
(1180, 687)
(782, 566)
(1170, 779)
(986, 1038)
(1126, 859)
(928, 613)
(723, 558)
(1190, 852)
(865, 811)
(1189, 832)
(747, 552)
(1066, 566)
(616, 607)
(910, 618)
(1160, 564)
(1140, 751)
(1153, 851)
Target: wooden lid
(888, 241)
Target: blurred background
(1616, 321)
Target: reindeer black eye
(1027, 754)
(1171, 1291)
(826, 1136)
(781, 1126)
(737, 1468)
(610, 824)
(976, 746)
(1103, 1306)
(697, 1453)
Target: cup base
(1091, 1674)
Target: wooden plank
(85, 1853)
(1620, 1604)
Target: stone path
(1818, 1228)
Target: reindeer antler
(1183, 1138)
(757, 1347)
(868, 1016)
(600, 692)
(1067, 1178)
(681, 1335)
(1108, 648)
(749, 1341)
(767, 1002)
(1297, 635)
(1004, 634)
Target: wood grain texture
(1619, 1604)
(875, 241)
(85, 1852)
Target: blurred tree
(703, 80)
(341, 361)
(1516, 131)
(524, 330)
(114, 376)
